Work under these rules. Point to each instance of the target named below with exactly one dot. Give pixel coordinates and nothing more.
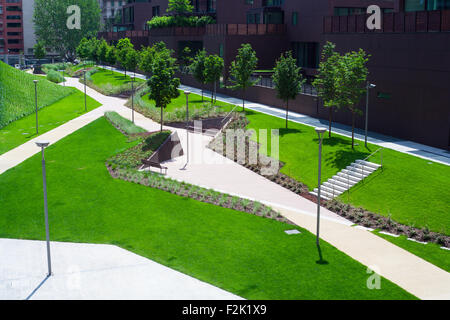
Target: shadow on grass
(321, 259)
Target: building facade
(11, 29)
(409, 60)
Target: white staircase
(345, 179)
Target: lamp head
(35, 81)
(320, 130)
(42, 144)
(187, 93)
(371, 85)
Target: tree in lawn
(132, 60)
(326, 80)
(351, 83)
(198, 68)
(147, 57)
(102, 51)
(82, 49)
(213, 70)
(122, 51)
(111, 57)
(162, 84)
(242, 69)
(39, 53)
(93, 46)
(287, 79)
(50, 22)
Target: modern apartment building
(11, 28)
(110, 11)
(409, 60)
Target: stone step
(334, 186)
(349, 178)
(354, 173)
(334, 192)
(359, 170)
(369, 164)
(336, 180)
(358, 166)
(323, 196)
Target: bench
(155, 165)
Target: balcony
(396, 22)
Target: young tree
(351, 83)
(82, 49)
(287, 79)
(163, 85)
(111, 56)
(198, 68)
(132, 59)
(50, 20)
(146, 60)
(180, 7)
(122, 51)
(242, 69)
(93, 45)
(102, 51)
(326, 80)
(39, 53)
(213, 71)
(185, 59)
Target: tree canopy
(50, 20)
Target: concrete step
(354, 173)
(322, 196)
(369, 164)
(358, 166)
(336, 180)
(350, 178)
(359, 170)
(330, 190)
(334, 186)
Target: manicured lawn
(50, 117)
(245, 254)
(105, 77)
(412, 190)
(195, 103)
(430, 252)
(17, 96)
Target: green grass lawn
(105, 77)
(243, 253)
(17, 96)
(412, 190)
(430, 252)
(50, 117)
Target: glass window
(414, 5)
(438, 4)
(294, 18)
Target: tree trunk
(202, 92)
(287, 113)
(162, 119)
(212, 97)
(215, 91)
(330, 121)
(243, 100)
(353, 129)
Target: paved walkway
(208, 169)
(405, 146)
(93, 272)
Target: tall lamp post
(64, 68)
(43, 145)
(368, 87)
(36, 105)
(85, 104)
(320, 133)
(132, 99)
(187, 93)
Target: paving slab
(93, 272)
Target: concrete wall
(29, 38)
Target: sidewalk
(211, 170)
(405, 146)
(93, 272)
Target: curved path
(211, 170)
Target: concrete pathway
(405, 146)
(93, 272)
(211, 170)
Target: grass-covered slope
(17, 93)
(248, 255)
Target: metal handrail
(363, 167)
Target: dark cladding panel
(422, 21)
(343, 24)
(399, 22)
(446, 20)
(335, 24)
(327, 25)
(388, 22)
(410, 22)
(434, 21)
(351, 23)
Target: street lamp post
(187, 93)
(64, 67)
(368, 87)
(43, 145)
(132, 99)
(320, 133)
(36, 105)
(85, 104)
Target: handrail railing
(363, 166)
